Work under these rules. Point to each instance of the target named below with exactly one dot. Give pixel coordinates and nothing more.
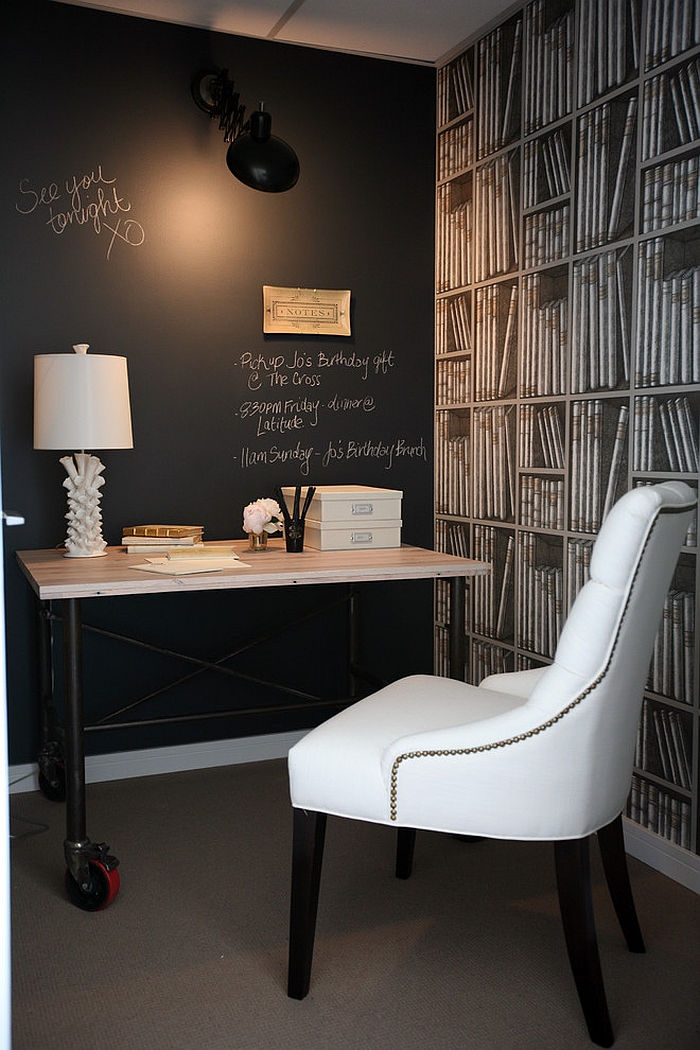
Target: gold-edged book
(166, 532)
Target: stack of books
(145, 539)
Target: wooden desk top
(51, 575)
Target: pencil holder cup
(294, 536)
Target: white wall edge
(662, 855)
(121, 765)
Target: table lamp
(81, 401)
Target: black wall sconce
(256, 157)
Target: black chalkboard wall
(168, 270)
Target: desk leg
(92, 879)
(458, 658)
(51, 757)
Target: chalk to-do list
(314, 408)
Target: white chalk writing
(89, 200)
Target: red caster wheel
(101, 891)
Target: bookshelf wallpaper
(567, 337)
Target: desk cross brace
(306, 699)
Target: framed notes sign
(309, 311)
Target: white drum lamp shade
(81, 401)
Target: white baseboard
(122, 765)
(664, 856)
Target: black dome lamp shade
(256, 157)
(261, 160)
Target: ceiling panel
(407, 30)
(415, 30)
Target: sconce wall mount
(255, 156)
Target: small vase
(257, 541)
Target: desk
(92, 879)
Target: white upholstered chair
(532, 755)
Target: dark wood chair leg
(612, 851)
(307, 859)
(572, 861)
(405, 845)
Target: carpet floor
(191, 955)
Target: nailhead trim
(531, 732)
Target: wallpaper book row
(595, 468)
(492, 592)
(665, 435)
(541, 609)
(668, 316)
(600, 331)
(662, 747)
(455, 149)
(671, 108)
(671, 673)
(455, 91)
(671, 194)
(660, 811)
(485, 658)
(546, 171)
(452, 469)
(494, 462)
(541, 437)
(496, 216)
(548, 67)
(453, 381)
(609, 34)
(452, 326)
(495, 98)
(602, 173)
(546, 237)
(672, 27)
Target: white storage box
(344, 536)
(350, 504)
(347, 517)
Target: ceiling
(419, 31)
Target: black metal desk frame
(79, 850)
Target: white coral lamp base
(84, 517)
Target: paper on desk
(189, 566)
(198, 551)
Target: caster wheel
(104, 886)
(54, 788)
